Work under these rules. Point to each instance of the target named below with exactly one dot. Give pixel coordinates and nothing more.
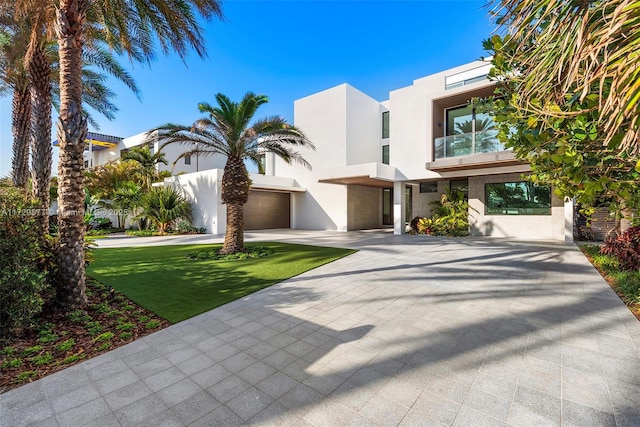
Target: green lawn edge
(162, 279)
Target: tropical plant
(450, 214)
(148, 163)
(173, 25)
(14, 78)
(125, 199)
(165, 205)
(23, 280)
(227, 131)
(574, 49)
(567, 77)
(626, 248)
(102, 180)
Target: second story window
(385, 154)
(187, 160)
(385, 124)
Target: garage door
(266, 209)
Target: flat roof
(98, 141)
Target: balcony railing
(466, 144)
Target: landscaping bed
(57, 341)
(625, 283)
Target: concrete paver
(410, 330)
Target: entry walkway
(410, 330)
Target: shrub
(23, 283)
(214, 254)
(163, 206)
(451, 214)
(626, 248)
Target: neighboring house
(101, 149)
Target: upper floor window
(187, 160)
(467, 132)
(385, 124)
(385, 154)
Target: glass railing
(466, 144)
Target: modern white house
(380, 163)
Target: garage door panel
(265, 210)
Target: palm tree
(163, 206)
(148, 162)
(40, 91)
(14, 78)
(131, 27)
(578, 48)
(227, 131)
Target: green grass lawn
(163, 280)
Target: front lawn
(163, 280)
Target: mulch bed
(57, 341)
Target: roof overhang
(366, 174)
(277, 184)
(97, 141)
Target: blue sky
(291, 49)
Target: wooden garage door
(266, 209)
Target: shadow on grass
(163, 280)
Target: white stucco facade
(367, 174)
(346, 127)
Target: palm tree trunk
(42, 152)
(71, 131)
(234, 233)
(20, 125)
(235, 192)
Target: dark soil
(57, 341)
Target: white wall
(322, 117)
(546, 227)
(203, 190)
(364, 128)
(411, 120)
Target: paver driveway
(407, 331)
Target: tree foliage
(552, 104)
(569, 49)
(228, 130)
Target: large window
(385, 154)
(385, 124)
(467, 132)
(517, 198)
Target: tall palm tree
(227, 131)
(132, 27)
(14, 78)
(30, 49)
(578, 48)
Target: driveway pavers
(410, 330)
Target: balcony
(466, 144)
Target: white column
(270, 164)
(399, 207)
(568, 221)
